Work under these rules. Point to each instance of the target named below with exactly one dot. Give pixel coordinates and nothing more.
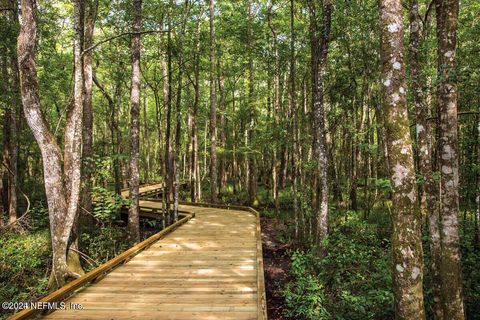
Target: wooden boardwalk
(210, 267)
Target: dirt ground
(276, 266)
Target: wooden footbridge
(207, 265)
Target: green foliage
(102, 244)
(383, 184)
(38, 217)
(24, 266)
(305, 296)
(107, 204)
(352, 281)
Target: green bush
(24, 266)
(103, 244)
(107, 205)
(353, 280)
(305, 295)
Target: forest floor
(276, 267)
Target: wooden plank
(75, 284)
(174, 307)
(152, 315)
(210, 268)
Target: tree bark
(450, 270)
(134, 210)
(294, 112)
(252, 158)
(146, 137)
(213, 111)
(276, 107)
(428, 193)
(406, 236)
(222, 174)
(86, 197)
(195, 183)
(13, 120)
(320, 142)
(62, 193)
(167, 90)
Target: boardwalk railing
(98, 272)
(69, 289)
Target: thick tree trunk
(406, 237)
(73, 140)
(134, 210)
(428, 193)
(450, 270)
(62, 193)
(213, 111)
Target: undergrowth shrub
(103, 244)
(353, 280)
(24, 266)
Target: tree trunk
(195, 176)
(86, 197)
(223, 139)
(178, 115)
(146, 137)
(134, 210)
(450, 270)
(62, 188)
(406, 236)
(320, 142)
(213, 111)
(428, 193)
(276, 106)
(13, 126)
(294, 112)
(252, 161)
(167, 90)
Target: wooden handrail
(68, 289)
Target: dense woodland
(353, 127)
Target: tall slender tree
(450, 270)
(320, 141)
(13, 121)
(167, 91)
(90, 17)
(251, 161)
(428, 192)
(213, 110)
(276, 106)
(293, 107)
(134, 211)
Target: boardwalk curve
(210, 267)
